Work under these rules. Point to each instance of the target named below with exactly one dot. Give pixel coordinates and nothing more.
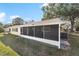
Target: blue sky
(26, 11)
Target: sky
(27, 11)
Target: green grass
(1, 36)
(6, 50)
(74, 41)
(29, 47)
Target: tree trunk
(72, 24)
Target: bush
(77, 29)
(1, 30)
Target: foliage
(1, 28)
(48, 12)
(7, 25)
(67, 11)
(17, 21)
(76, 23)
(77, 29)
(1, 24)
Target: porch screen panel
(39, 31)
(51, 32)
(31, 31)
(24, 30)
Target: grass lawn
(6, 50)
(74, 41)
(28, 47)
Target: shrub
(77, 29)
(1, 30)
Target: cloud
(45, 4)
(14, 16)
(2, 17)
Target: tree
(17, 21)
(68, 11)
(1, 27)
(7, 25)
(47, 13)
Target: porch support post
(34, 30)
(10, 29)
(27, 30)
(22, 30)
(19, 31)
(43, 31)
(59, 36)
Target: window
(15, 29)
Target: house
(47, 31)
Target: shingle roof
(45, 22)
